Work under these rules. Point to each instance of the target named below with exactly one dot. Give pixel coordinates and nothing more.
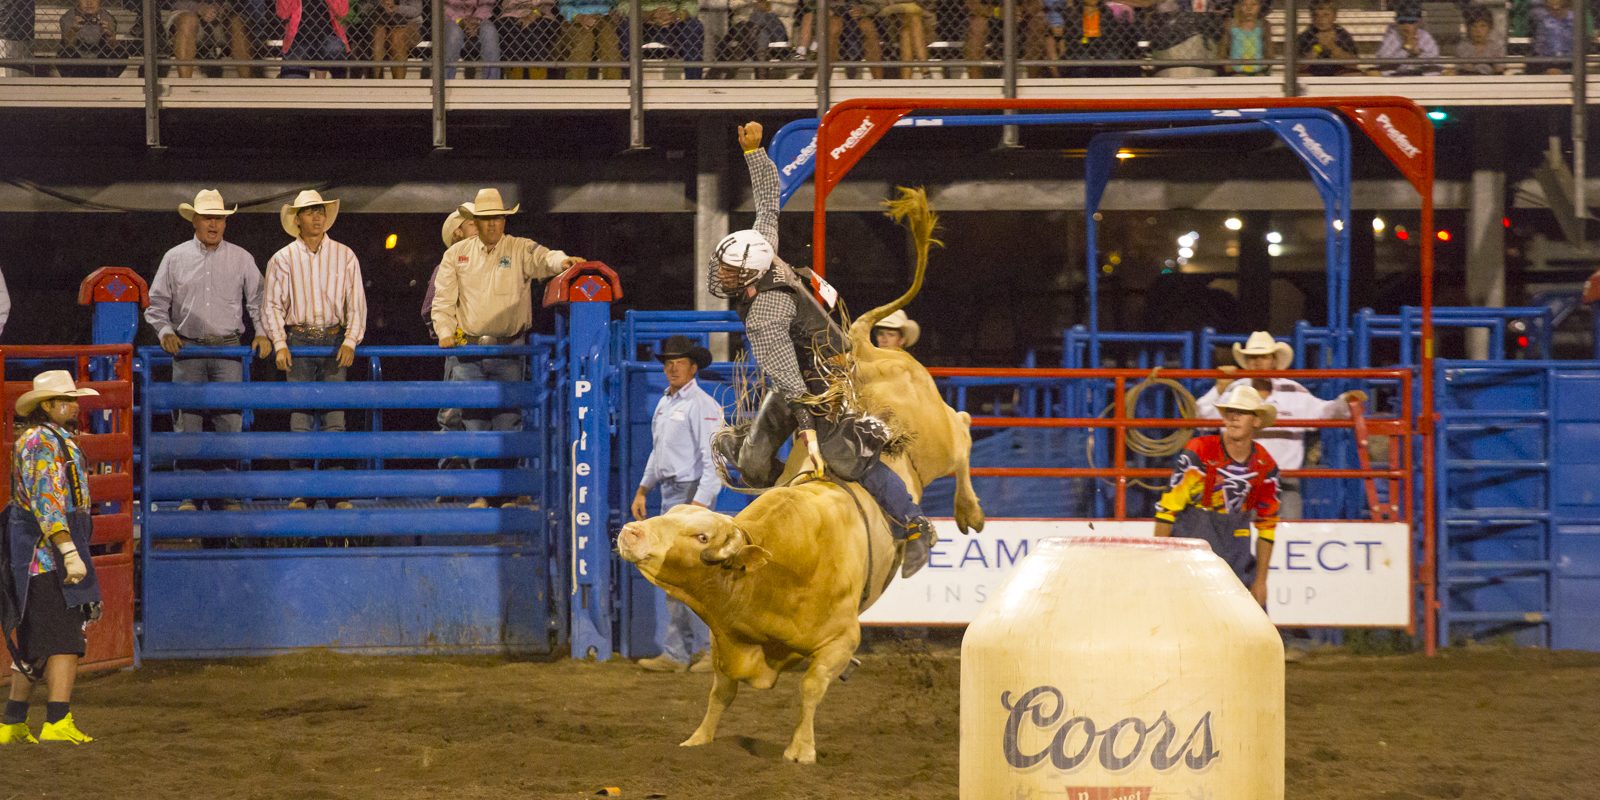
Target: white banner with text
(1324, 574)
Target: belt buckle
(487, 340)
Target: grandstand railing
(107, 441)
(400, 572)
(613, 54)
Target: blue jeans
(455, 40)
(508, 370)
(313, 48)
(680, 632)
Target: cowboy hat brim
(468, 210)
(188, 212)
(1266, 413)
(31, 400)
(451, 224)
(1281, 351)
(699, 355)
(287, 213)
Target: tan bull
(787, 579)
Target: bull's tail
(911, 210)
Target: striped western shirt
(319, 289)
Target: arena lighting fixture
(1124, 155)
(1378, 224)
(1188, 239)
(1274, 250)
(1185, 254)
(1338, 224)
(1438, 116)
(1444, 235)
(391, 241)
(1233, 223)
(1273, 237)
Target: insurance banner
(1324, 574)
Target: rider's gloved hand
(814, 464)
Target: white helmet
(747, 251)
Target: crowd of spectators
(1176, 38)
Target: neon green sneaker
(63, 731)
(16, 734)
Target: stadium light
(1338, 224)
(1233, 223)
(1273, 237)
(1274, 250)
(1438, 115)
(1377, 224)
(389, 243)
(1444, 235)
(1185, 253)
(1124, 155)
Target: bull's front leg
(826, 664)
(723, 690)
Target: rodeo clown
(801, 350)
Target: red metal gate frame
(110, 459)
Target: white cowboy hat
(908, 327)
(1261, 343)
(1244, 397)
(451, 223)
(207, 203)
(55, 383)
(306, 199)
(488, 204)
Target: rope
(1142, 443)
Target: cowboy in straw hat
(456, 228)
(681, 465)
(1289, 398)
(793, 338)
(1222, 483)
(202, 292)
(483, 295)
(896, 331)
(50, 575)
(314, 298)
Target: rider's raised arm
(764, 191)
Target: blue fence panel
(399, 572)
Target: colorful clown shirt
(1206, 479)
(41, 483)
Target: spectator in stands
(681, 465)
(396, 31)
(1554, 23)
(456, 228)
(984, 28)
(1480, 42)
(1288, 398)
(912, 23)
(896, 331)
(53, 579)
(202, 27)
(482, 296)
(89, 31)
(314, 298)
(752, 31)
(530, 30)
(673, 23)
(470, 19)
(1408, 40)
(201, 294)
(1221, 484)
(1176, 31)
(16, 35)
(314, 31)
(1247, 36)
(1326, 39)
(1093, 31)
(590, 34)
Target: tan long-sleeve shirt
(487, 291)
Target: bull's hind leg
(969, 514)
(826, 664)
(723, 690)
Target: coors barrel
(1122, 669)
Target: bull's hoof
(696, 740)
(800, 755)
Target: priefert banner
(1324, 574)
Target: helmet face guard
(738, 252)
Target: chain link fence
(777, 39)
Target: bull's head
(679, 547)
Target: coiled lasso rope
(1142, 443)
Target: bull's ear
(750, 558)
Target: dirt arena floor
(1485, 723)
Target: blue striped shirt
(680, 438)
(201, 292)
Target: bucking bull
(787, 579)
